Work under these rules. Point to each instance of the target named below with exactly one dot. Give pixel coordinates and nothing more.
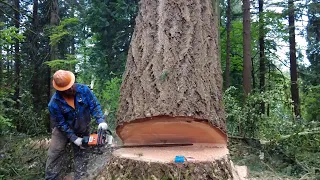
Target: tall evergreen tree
(17, 53)
(228, 45)
(262, 52)
(293, 60)
(246, 47)
(36, 61)
(313, 39)
(54, 21)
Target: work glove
(103, 126)
(78, 141)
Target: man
(70, 109)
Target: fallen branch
(271, 169)
(283, 137)
(304, 176)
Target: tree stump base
(202, 162)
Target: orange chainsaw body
(93, 140)
(96, 139)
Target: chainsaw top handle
(102, 135)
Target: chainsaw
(104, 137)
(101, 138)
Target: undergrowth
(19, 159)
(272, 161)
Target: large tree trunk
(246, 48)
(293, 61)
(261, 53)
(173, 76)
(171, 94)
(228, 44)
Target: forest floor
(22, 157)
(261, 164)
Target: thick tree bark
(293, 61)
(246, 48)
(228, 42)
(173, 76)
(17, 55)
(262, 53)
(171, 93)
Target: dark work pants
(57, 155)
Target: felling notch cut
(170, 130)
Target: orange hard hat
(63, 80)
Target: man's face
(69, 92)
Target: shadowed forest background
(271, 77)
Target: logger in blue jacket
(71, 108)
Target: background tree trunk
(228, 50)
(1, 67)
(54, 21)
(293, 61)
(262, 53)
(34, 57)
(252, 74)
(1, 60)
(17, 55)
(246, 48)
(1, 56)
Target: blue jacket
(75, 122)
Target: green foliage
(111, 26)
(9, 35)
(291, 147)
(110, 98)
(5, 122)
(245, 118)
(20, 159)
(27, 119)
(300, 149)
(311, 104)
(66, 28)
(30, 120)
(69, 63)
